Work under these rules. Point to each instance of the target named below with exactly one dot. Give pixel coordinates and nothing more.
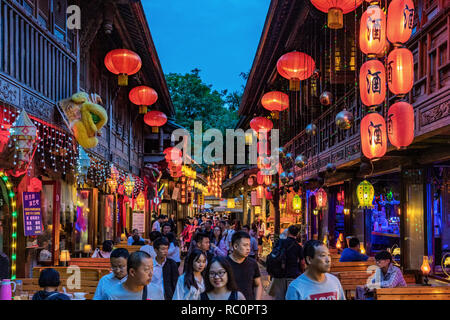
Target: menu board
(32, 218)
(139, 221)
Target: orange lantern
(295, 66)
(372, 31)
(260, 177)
(373, 136)
(321, 198)
(275, 101)
(400, 124)
(400, 21)
(143, 96)
(124, 63)
(155, 119)
(260, 192)
(372, 79)
(267, 179)
(400, 71)
(174, 155)
(336, 10)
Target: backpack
(276, 260)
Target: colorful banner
(32, 218)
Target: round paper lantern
(372, 31)
(400, 21)
(143, 96)
(267, 179)
(372, 79)
(155, 119)
(129, 185)
(261, 124)
(321, 198)
(123, 62)
(373, 136)
(365, 193)
(297, 203)
(260, 177)
(336, 9)
(275, 101)
(400, 71)
(400, 124)
(260, 192)
(250, 181)
(295, 66)
(173, 154)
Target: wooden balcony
(36, 69)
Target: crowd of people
(220, 262)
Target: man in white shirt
(149, 247)
(118, 259)
(165, 272)
(316, 283)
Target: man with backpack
(285, 263)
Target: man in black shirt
(294, 264)
(246, 271)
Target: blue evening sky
(219, 37)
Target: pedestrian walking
(245, 269)
(149, 247)
(253, 243)
(218, 243)
(191, 283)
(219, 281)
(174, 248)
(316, 283)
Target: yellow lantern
(140, 201)
(425, 268)
(112, 184)
(361, 249)
(231, 204)
(365, 193)
(114, 173)
(297, 203)
(129, 185)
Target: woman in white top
(106, 250)
(191, 284)
(174, 248)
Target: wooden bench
(350, 280)
(351, 266)
(413, 293)
(101, 263)
(130, 249)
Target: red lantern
(250, 181)
(339, 196)
(295, 66)
(275, 101)
(143, 96)
(267, 180)
(372, 31)
(400, 124)
(124, 63)
(373, 136)
(174, 155)
(260, 192)
(261, 124)
(372, 80)
(321, 198)
(155, 119)
(400, 20)
(336, 9)
(260, 177)
(400, 71)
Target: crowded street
(246, 150)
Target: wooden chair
(101, 263)
(413, 293)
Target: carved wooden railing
(36, 70)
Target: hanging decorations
(311, 129)
(373, 136)
(326, 98)
(300, 161)
(275, 101)
(400, 21)
(23, 134)
(400, 71)
(13, 204)
(297, 203)
(85, 116)
(365, 193)
(284, 178)
(400, 124)
(321, 199)
(295, 66)
(344, 120)
(140, 201)
(331, 168)
(260, 192)
(372, 79)
(336, 10)
(261, 124)
(155, 119)
(84, 162)
(372, 31)
(124, 63)
(129, 185)
(143, 96)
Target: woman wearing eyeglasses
(219, 281)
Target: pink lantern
(321, 198)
